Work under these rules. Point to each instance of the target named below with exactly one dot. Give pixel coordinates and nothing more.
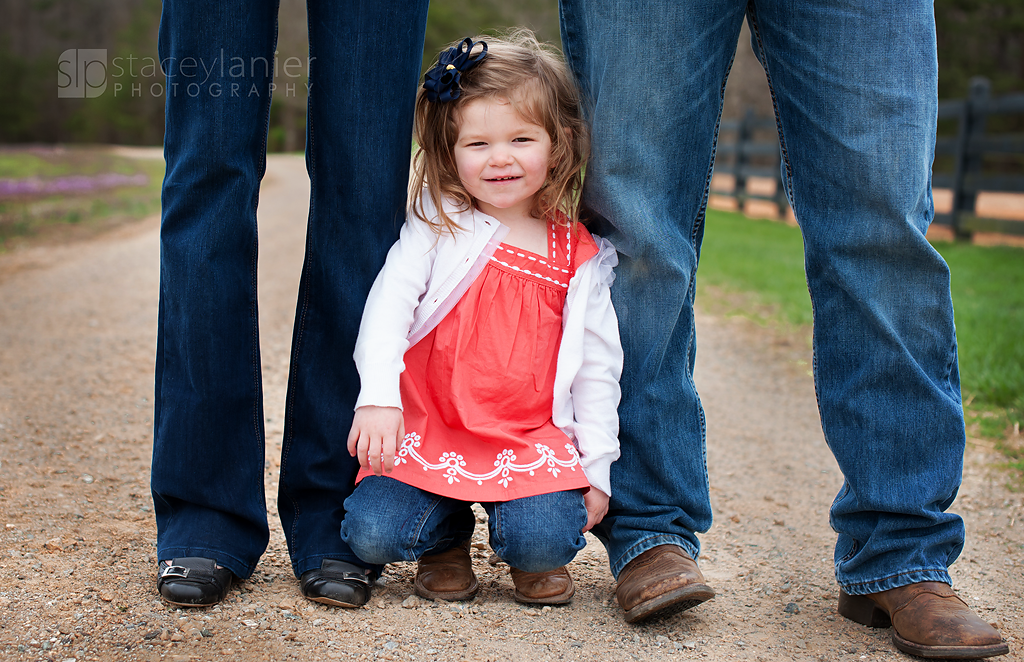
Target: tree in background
(34, 35)
(452, 20)
(976, 37)
(980, 38)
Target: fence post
(972, 125)
(743, 135)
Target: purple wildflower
(34, 186)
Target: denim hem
(239, 568)
(642, 546)
(300, 566)
(896, 580)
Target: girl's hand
(596, 502)
(375, 435)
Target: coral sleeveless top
(477, 391)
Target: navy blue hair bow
(442, 81)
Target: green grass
(18, 165)
(755, 268)
(761, 260)
(58, 161)
(988, 303)
(34, 217)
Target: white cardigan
(426, 274)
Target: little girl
(488, 351)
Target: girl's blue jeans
(854, 89)
(208, 450)
(387, 521)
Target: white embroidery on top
(453, 465)
(530, 273)
(533, 259)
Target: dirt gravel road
(77, 544)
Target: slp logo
(82, 73)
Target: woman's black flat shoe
(193, 581)
(337, 583)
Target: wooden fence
(968, 149)
(749, 148)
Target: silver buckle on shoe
(345, 576)
(174, 571)
(357, 577)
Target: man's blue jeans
(208, 451)
(390, 521)
(854, 88)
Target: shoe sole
(334, 603)
(948, 652)
(565, 597)
(178, 603)
(450, 596)
(860, 609)
(192, 605)
(670, 603)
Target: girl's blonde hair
(533, 78)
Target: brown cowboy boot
(928, 619)
(553, 587)
(447, 576)
(661, 581)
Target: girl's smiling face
(503, 160)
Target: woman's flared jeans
(208, 452)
